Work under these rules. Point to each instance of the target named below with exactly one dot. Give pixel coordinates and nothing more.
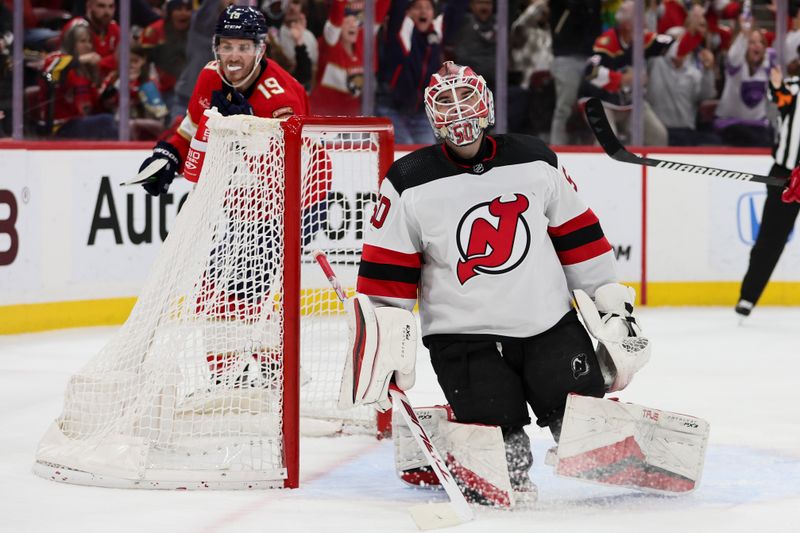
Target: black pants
(777, 222)
(492, 382)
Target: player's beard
(237, 73)
(243, 74)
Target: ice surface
(742, 379)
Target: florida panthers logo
(492, 238)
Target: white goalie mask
(458, 103)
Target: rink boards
(75, 246)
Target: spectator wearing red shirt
(36, 37)
(104, 31)
(673, 13)
(165, 42)
(69, 89)
(340, 72)
(145, 99)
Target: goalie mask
(458, 103)
(241, 24)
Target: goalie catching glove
(621, 349)
(382, 346)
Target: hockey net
(236, 334)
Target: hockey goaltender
(488, 234)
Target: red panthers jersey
(74, 94)
(152, 36)
(275, 94)
(340, 75)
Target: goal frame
(293, 129)
(74, 450)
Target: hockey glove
(382, 347)
(229, 101)
(792, 191)
(162, 178)
(621, 349)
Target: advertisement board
(69, 233)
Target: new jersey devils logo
(492, 238)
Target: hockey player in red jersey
(488, 235)
(233, 288)
(239, 81)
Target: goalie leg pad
(475, 455)
(382, 345)
(410, 461)
(624, 444)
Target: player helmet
(240, 22)
(245, 23)
(459, 104)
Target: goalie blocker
(382, 347)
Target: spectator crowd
(707, 63)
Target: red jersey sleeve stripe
(376, 254)
(389, 289)
(584, 253)
(587, 218)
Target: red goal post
(384, 131)
(236, 342)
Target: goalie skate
(623, 444)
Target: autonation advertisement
(70, 232)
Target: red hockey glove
(792, 191)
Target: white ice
(741, 378)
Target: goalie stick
(598, 122)
(426, 516)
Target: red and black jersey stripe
(579, 239)
(385, 272)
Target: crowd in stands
(707, 63)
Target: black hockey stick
(596, 116)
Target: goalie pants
(493, 380)
(777, 222)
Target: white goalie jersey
(492, 248)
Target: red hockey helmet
(459, 104)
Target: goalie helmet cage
(234, 336)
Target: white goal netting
(190, 391)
